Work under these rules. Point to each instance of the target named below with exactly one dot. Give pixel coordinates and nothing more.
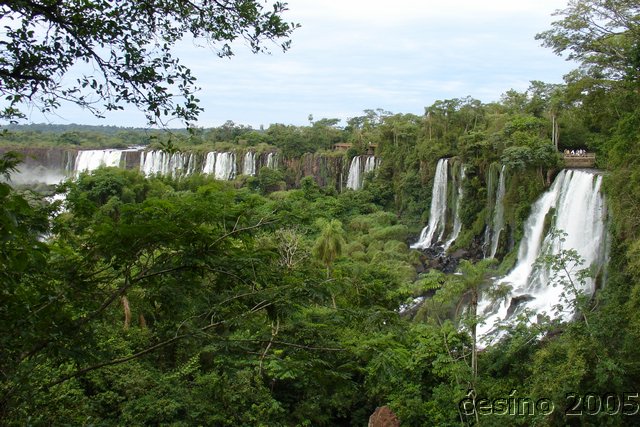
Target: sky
(352, 55)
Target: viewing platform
(584, 160)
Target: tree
(128, 47)
(473, 277)
(329, 245)
(602, 34)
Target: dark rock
(460, 254)
(516, 301)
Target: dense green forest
(263, 301)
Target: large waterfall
(438, 211)
(446, 202)
(357, 171)
(89, 160)
(249, 164)
(225, 166)
(222, 165)
(573, 205)
(353, 178)
(160, 162)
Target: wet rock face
(324, 170)
(383, 417)
(437, 258)
(50, 158)
(41, 166)
(517, 301)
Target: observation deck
(584, 160)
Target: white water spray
(89, 160)
(249, 164)
(577, 208)
(354, 179)
(498, 215)
(221, 165)
(438, 211)
(457, 224)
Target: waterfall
(225, 166)
(272, 160)
(160, 162)
(249, 164)
(354, 179)
(89, 160)
(209, 163)
(573, 205)
(438, 211)
(496, 226)
(370, 164)
(498, 214)
(192, 164)
(356, 174)
(457, 224)
(221, 165)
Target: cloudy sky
(351, 55)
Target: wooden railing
(586, 160)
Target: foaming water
(573, 205)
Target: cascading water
(498, 216)
(496, 226)
(225, 166)
(89, 160)
(192, 164)
(457, 224)
(160, 162)
(356, 174)
(575, 206)
(370, 164)
(249, 164)
(354, 180)
(209, 163)
(438, 211)
(272, 161)
(221, 165)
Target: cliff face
(50, 158)
(42, 165)
(325, 170)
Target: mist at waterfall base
(33, 175)
(573, 205)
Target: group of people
(575, 152)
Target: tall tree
(329, 244)
(602, 34)
(129, 46)
(473, 277)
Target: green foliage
(195, 302)
(600, 35)
(130, 44)
(329, 244)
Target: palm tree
(329, 244)
(473, 277)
